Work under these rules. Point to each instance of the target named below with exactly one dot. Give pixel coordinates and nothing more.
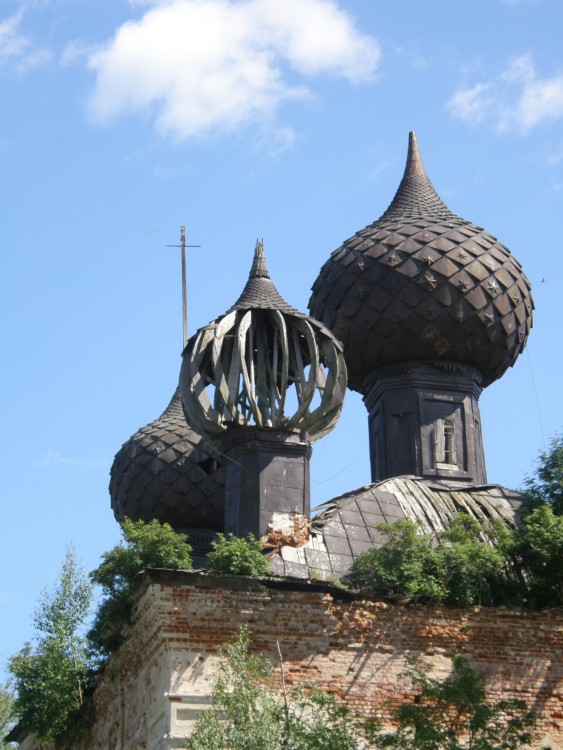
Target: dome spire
(415, 165)
(260, 290)
(416, 195)
(259, 268)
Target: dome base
(267, 472)
(424, 421)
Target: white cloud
(204, 66)
(54, 458)
(516, 99)
(17, 49)
(12, 42)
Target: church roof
(346, 525)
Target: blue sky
(280, 119)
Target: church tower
(263, 381)
(430, 309)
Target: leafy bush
(461, 569)
(51, 677)
(146, 545)
(406, 565)
(472, 567)
(249, 711)
(238, 556)
(455, 714)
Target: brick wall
(160, 678)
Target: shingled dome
(166, 471)
(422, 284)
(263, 364)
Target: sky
(285, 120)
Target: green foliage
(472, 566)
(249, 712)
(146, 545)
(547, 483)
(238, 556)
(406, 565)
(461, 569)
(51, 676)
(540, 549)
(455, 714)
(8, 715)
(468, 564)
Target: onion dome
(166, 471)
(422, 284)
(263, 364)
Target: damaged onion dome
(263, 364)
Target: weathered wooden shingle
(345, 527)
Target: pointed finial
(415, 165)
(259, 267)
(416, 195)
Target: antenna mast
(184, 290)
(183, 247)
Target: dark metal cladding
(422, 284)
(166, 471)
(260, 291)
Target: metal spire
(259, 268)
(414, 166)
(416, 196)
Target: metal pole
(184, 292)
(183, 247)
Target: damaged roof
(346, 525)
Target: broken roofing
(346, 525)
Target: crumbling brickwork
(160, 678)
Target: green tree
(144, 545)
(8, 716)
(472, 566)
(546, 485)
(243, 557)
(540, 552)
(52, 675)
(250, 712)
(455, 714)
